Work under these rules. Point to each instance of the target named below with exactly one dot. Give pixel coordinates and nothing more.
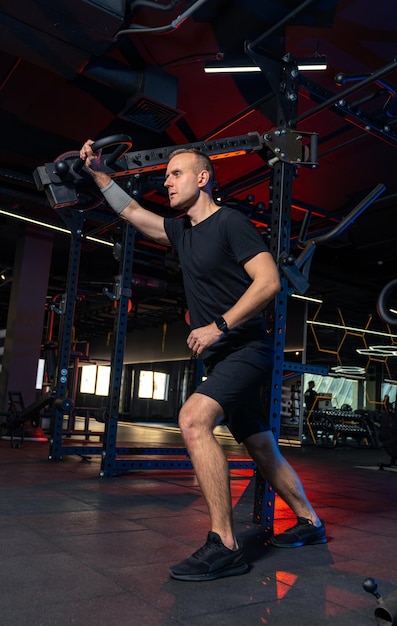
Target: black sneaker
(211, 561)
(304, 533)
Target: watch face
(220, 322)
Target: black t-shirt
(310, 398)
(211, 254)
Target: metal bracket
(296, 279)
(288, 146)
(118, 291)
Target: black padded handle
(123, 143)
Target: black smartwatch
(221, 323)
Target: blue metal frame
(281, 201)
(117, 359)
(75, 221)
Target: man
(310, 395)
(229, 278)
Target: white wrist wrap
(116, 197)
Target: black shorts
(237, 382)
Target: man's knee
(198, 415)
(186, 417)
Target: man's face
(181, 181)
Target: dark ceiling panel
(59, 36)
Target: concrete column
(24, 333)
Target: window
(40, 374)
(153, 385)
(102, 380)
(88, 376)
(95, 379)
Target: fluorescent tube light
(231, 69)
(312, 67)
(311, 64)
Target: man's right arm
(148, 223)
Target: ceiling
(97, 68)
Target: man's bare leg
(197, 419)
(221, 555)
(280, 475)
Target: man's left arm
(265, 285)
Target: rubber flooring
(80, 549)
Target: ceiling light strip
(306, 298)
(239, 66)
(59, 229)
(246, 69)
(231, 69)
(358, 330)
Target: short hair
(203, 161)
